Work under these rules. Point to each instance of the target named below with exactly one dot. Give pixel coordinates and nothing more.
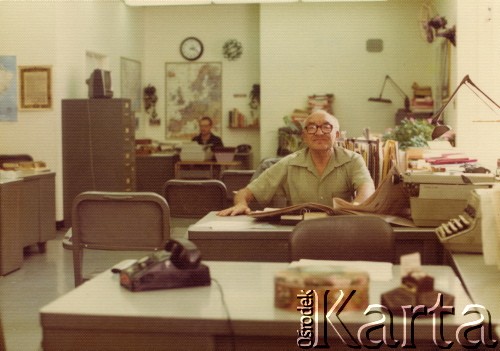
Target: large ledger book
(296, 213)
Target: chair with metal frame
(235, 179)
(343, 237)
(124, 221)
(190, 200)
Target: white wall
(478, 55)
(316, 48)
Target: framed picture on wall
(192, 90)
(35, 92)
(131, 82)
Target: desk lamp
(439, 127)
(388, 101)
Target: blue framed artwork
(8, 88)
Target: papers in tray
(378, 271)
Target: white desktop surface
(482, 281)
(100, 314)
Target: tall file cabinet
(98, 141)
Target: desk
(481, 281)
(100, 314)
(243, 238)
(206, 169)
(27, 217)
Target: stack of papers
(378, 271)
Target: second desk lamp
(398, 89)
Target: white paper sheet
(231, 225)
(378, 271)
(488, 226)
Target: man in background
(206, 137)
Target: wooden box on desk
(306, 286)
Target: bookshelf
(370, 151)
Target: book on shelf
(239, 120)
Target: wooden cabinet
(98, 142)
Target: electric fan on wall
(433, 25)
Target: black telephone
(179, 265)
(243, 148)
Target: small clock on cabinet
(191, 48)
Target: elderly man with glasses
(317, 173)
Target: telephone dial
(179, 265)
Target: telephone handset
(179, 265)
(184, 253)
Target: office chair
(343, 237)
(234, 180)
(125, 221)
(194, 198)
(190, 200)
(264, 164)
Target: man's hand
(235, 210)
(241, 200)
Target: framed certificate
(35, 91)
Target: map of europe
(193, 90)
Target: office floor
(43, 278)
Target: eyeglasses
(313, 128)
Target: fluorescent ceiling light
(338, 0)
(166, 2)
(208, 2)
(250, 1)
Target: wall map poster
(8, 91)
(192, 90)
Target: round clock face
(191, 48)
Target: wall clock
(191, 48)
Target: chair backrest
(235, 179)
(343, 237)
(118, 221)
(265, 164)
(194, 198)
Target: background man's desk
(243, 238)
(202, 169)
(102, 315)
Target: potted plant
(410, 133)
(290, 137)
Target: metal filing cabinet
(98, 148)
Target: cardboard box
(433, 212)
(293, 284)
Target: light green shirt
(295, 177)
